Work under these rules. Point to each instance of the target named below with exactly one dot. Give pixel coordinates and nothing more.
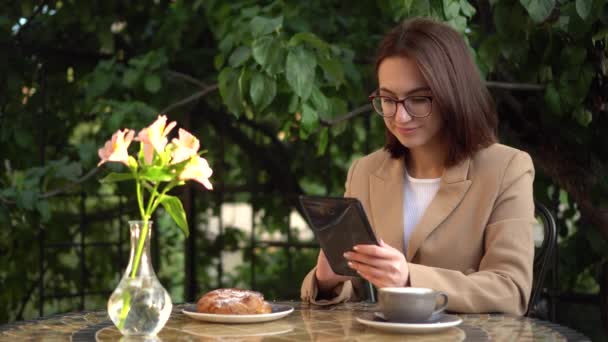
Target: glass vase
(140, 305)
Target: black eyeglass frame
(402, 102)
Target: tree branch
(490, 84)
(69, 186)
(272, 161)
(354, 113)
(60, 190)
(187, 78)
(191, 98)
(515, 86)
(29, 20)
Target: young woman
(453, 208)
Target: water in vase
(139, 305)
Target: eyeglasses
(416, 106)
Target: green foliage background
(276, 90)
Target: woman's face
(399, 77)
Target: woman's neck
(426, 162)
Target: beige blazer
(473, 242)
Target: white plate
(443, 322)
(278, 311)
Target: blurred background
(277, 93)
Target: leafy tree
(277, 89)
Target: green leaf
(262, 91)
(244, 86)
(251, 11)
(310, 119)
(563, 197)
(261, 49)
(26, 199)
(261, 26)
(320, 103)
(583, 117)
(323, 140)
(229, 90)
(70, 171)
(130, 78)
(116, 177)
(451, 8)
(573, 56)
(510, 20)
(489, 52)
(575, 25)
(174, 207)
(539, 10)
(268, 53)
(152, 83)
(239, 56)
(157, 174)
(552, 99)
(106, 41)
(467, 9)
(333, 71)
(218, 60)
(24, 139)
(545, 74)
(459, 23)
(101, 82)
(309, 38)
(301, 65)
(294, 103)
(338, 106)
(44, 209)
(419, 8)
(227, 43)
(583, 8)
(583, 82)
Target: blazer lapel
(454, 185)
(386, 195)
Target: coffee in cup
(410, 304)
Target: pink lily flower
(115, 149)
(154, 137)
(198, 169)
(186, 146)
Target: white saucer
(278, 311)
(444, 321)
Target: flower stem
(140, 247)
(140, 199)
(165, 190)
(153, 196)
(153, 202)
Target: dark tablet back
(339, 223)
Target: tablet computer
(339, 223)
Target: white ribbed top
(417, 195)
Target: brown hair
(464, 103)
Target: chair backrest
(543, 253)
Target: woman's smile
(406, 130)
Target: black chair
(543, 255)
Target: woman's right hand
(326, 278)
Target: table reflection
(306, 323)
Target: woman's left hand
(383, 266)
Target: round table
(307, 323)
